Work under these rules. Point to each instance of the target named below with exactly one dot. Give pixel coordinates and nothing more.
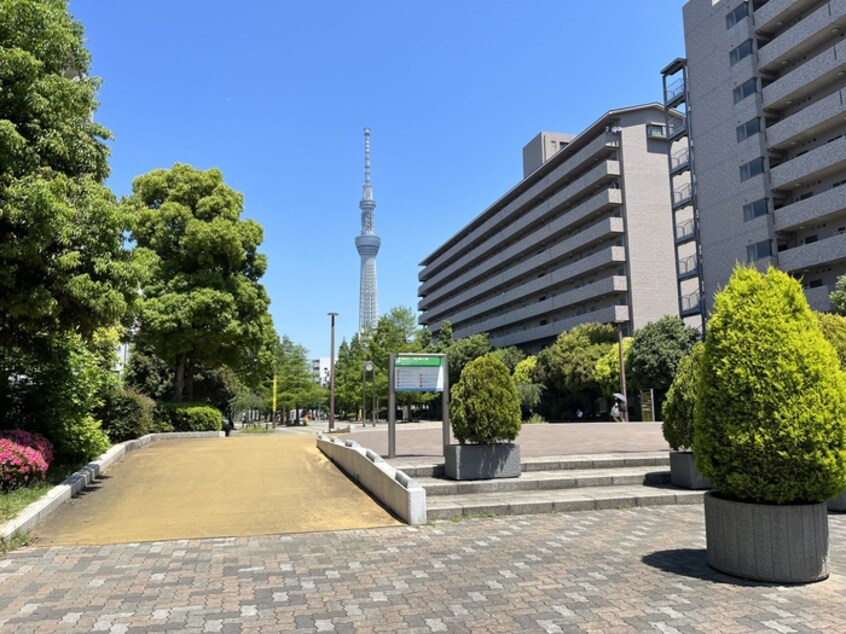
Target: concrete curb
(41, 509)
(393, 488)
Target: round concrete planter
(838, 503)
(683, 471)
(767, 542)
(482, 462)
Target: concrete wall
(394, 489)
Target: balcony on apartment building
(688, 267)
(826, 67)
(550, 330)
(812, 256)
(802, 37)
(818, 208)
(769, 12)
(680, 160)
(824, 114)
(598, 177)
(690, 304)
(533, 310)
(685, 231)
(820, 162)
(682, 195)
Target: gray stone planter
(767, 542)
(838, 503)
(482, 462)
(683, 471)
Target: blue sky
(276, 94)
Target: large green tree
(568, 364)
(293, 376)
(63, 263)
(202, 299)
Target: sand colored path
(215, 487)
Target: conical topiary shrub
(680, 402)
(771, 406)
(485, 406)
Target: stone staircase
(555, 484)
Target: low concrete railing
(41, 509)
(393, 488)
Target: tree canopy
(63, 264)
(202, 298)
(656, 351)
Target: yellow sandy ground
(215, 487)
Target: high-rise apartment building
(584, 237)
(764, 90)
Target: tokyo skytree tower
(368, 246)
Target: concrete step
(417, 467)
(441, 507)
(545, 480)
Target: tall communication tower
(367, 245)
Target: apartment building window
(759, 250)
(737, 15)
(744, 131)
(749, 87)
(739, 52)
(655, 131)
(754, 209)
(815, 283)
(752, 168)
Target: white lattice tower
(367, 245)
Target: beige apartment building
(586, 236)
(763, 86)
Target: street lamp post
(332, 375)
(368, 367)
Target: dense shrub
(56, 397)
(485, 407)
(834, 330)
(127, 414)
(31, 440)
(19, 465)
(188, 417)
(680, 403)
(769, 422)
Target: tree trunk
(189, 382)
(179, 378)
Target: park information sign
(419, 373)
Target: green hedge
(126, 414)
(485, 406)
(769, 422)
(188, 417)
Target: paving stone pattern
(627, 570)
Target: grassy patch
(256, 429)
(14, 502)
(17, 541)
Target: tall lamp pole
(332, 375)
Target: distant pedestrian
(615, 412)
(579, 415)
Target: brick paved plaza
(609, 571)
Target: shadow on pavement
(693, 562)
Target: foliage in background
(680, 403)
(606, 371)
(769, 424)
(202, 299)
(510, 356)
(463, 351)
(530, 391)
(568, 364)
(485, 407)
(655, 354)
(834, 331)
(838, 296)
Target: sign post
(647, 405)
(416, 373)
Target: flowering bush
(31, 440)
(19, 465)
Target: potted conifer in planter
(485, 414)
(769, 431)
(677, 427)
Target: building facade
(586, 236)
(320, 371)
(765, 90)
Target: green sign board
(419, 373)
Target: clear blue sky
(276, 94)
